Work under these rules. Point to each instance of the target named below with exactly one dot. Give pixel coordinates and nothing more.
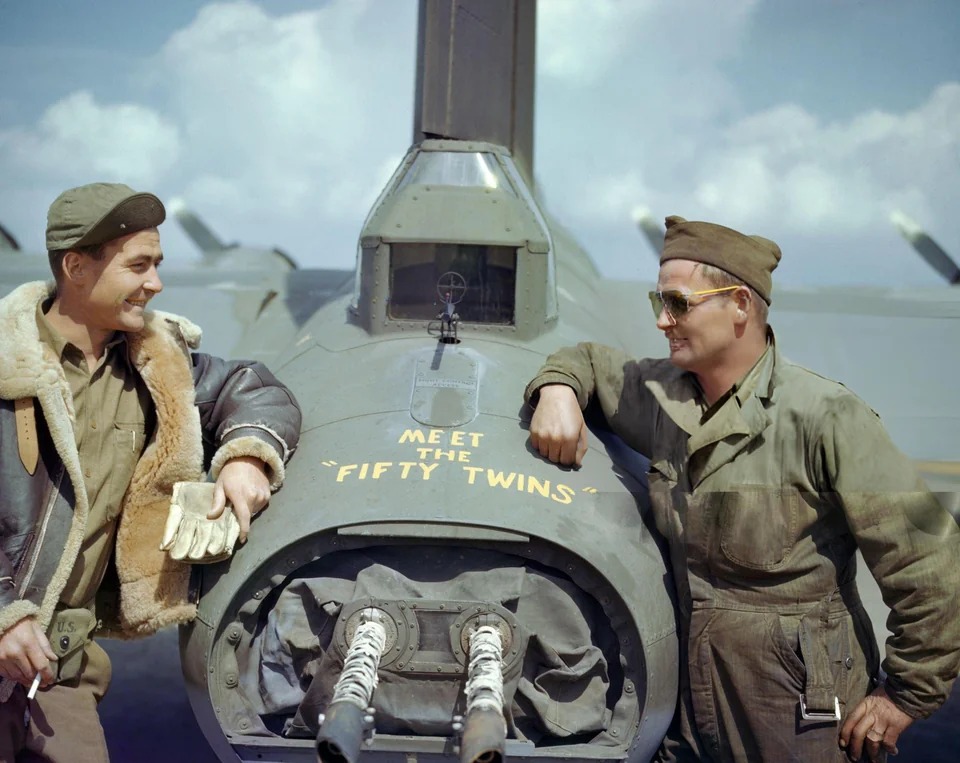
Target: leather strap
(27, 433)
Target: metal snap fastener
(64, 642)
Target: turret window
(479, 280)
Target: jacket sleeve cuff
(253, 442)
(13, 613)
(532, 393)
(907, 701)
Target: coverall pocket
(758, 525)
(788, 647)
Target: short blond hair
(720, 278)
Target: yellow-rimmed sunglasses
(678, 303)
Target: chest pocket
(758, 525)
(128, 442)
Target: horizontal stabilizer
(7, 241)
(195, 228)
(650, 228)
(926, 247)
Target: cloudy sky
(807, 121)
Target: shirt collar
(752, 381)
(63, 347)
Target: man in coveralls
(765, 478)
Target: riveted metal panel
(445, 388)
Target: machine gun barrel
(341, 733)
(485, 730)
(484, 737)
(348, 719)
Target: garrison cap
(100, 212)
(752, 259)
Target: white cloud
(77, 137)
(611, 198)
(275, 128)
(782, 168)
(681, 142)
(280, 129)
(296, 111)
(580, 43)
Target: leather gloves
(189, 536)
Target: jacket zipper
(48, 512)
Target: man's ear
(744, 300)
(74, 266)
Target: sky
(278, 122)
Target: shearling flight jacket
(208, 411)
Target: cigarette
(33, 687)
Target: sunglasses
(678, 303)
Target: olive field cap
(752, 259)
(100, 212)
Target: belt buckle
(815, 716)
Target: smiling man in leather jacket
(104, 406)
(765, 479)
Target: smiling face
(700, 340)
(117, 287)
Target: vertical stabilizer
(475, 74)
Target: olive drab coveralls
(763, 504)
